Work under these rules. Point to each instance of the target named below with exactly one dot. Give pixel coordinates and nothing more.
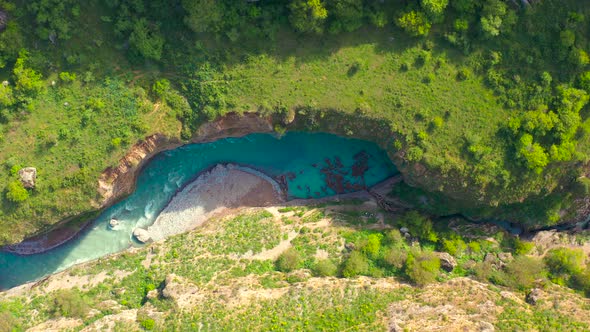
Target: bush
(396, 257)
(562, 261)
(372, 245)
(325, 268)
(16, 193)
(454, 246)
(148, 324)
(522, 247)
(69, 303)
(394, 238)
(422, 267)
(463, 74)
(355, 265)
(419, 226)
(67, 77)
(288, 260)
(523, 271)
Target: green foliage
(147, 40)
(396, 257)
(8, 322)
(422, 267)
(522, 247)
(419, 226)
(289, 260)
(147, 324)
(28, 81)
(523, 271)
(54, 18)
(372, 245)
(532, 154)
(565, 261)
(16, 193)
(414, 23)
(203, 15)
(345, 15)
(325, 268)
(69, 303)
(356, 264)
(434, 9)
(454, 245)
(66, 77)
(307, 15)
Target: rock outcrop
(447, 262)
(28, 177)
(141, 235)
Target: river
(306, 162)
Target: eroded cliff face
(118, 182)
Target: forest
(484, 102)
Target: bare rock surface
(28, 176)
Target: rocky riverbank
(214, 193)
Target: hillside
(334, 267)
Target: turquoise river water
(307, 162)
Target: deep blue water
(304, 159)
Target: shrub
(414, 154)
(355, 265)
(422, 267)
(372, 245)
(565, 261)
(148, 324)
(463, 74)
(419, 226)
(522, 247)
(414, 23)
(523, 271)
(454, 246)
(69, 303)
(66, 77)
(16, 193)
(325, 268)
(288, 260)
(396, 257)
(394, 238)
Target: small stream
(311, 165)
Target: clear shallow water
(302, 157)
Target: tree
(28, 81)
(532, 153)
(345, 15)
(6, 96)
(146, 39)
(54, 18)
(414, 23)
(419, 226)
(203, 15)
(308, 15)
(372, 246)
(434, 9)
(496, 18)
(16, 193)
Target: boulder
(113, 223)
(3, 20)
(533, 296)
(447, 262)
(141, 235)
(28, 176)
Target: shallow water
(301, 157)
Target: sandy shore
(222, 188)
